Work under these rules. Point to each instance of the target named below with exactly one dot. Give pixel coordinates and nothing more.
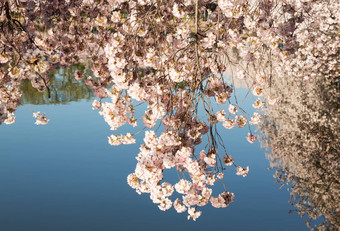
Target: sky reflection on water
(65, 176)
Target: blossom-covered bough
(171, 56)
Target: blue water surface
(64, 176)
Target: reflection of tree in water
(303, 134)
(63, 89)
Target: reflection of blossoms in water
(303, 134)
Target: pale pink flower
(165, 204)
(193, 213)
(168, 160)
(96, 104)
(258, 103)
(220, 175)
(177, 12)
(255, 119)
(251, 138)
(78, 75)
(229, 123)
(133, 181)
(211, 180)
(223, 200)
(206, 192)
(101, 20)
(232, 109)
(182, 156)
(169, 139)
(3, 58)
(115, 113)
(183, 186)
(115, 17)
(209, 41)
(198, 179)
(127, 139)
(202, 155)
(242, 171)
(221, 116)
(150, 139)
(228, 160)
(132, 122)
(272, 100)
(175, 75)
(241, 121)
(167, 189)
(194, 134)
(10, 119)
(144, 187)
(178, 205)
(258, 91)
(261, 79)
(222, 97)
(41, 119)
(241, 74)
(210, 160)
(215, 202)
(191, 199)
(114, 140)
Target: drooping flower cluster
(170, 151)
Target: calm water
(65, 176)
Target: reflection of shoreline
(63, 89)
(302, 132)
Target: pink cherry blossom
(251, 138)
(242, 171)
